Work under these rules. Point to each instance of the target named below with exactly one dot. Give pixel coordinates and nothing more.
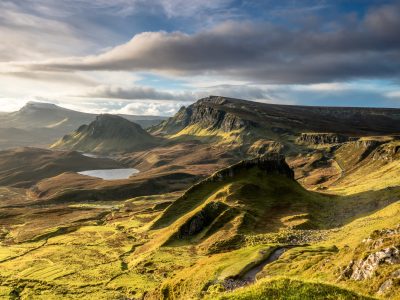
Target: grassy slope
(290, 289)
(317, 262)
(117, 265)
(118, 262)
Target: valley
(227, 199)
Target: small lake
(110, 174)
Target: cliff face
(270, 164)
(321, 138)
(388, 151)
(229, 114)
(207, 113)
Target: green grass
(120, 257)
(209, 271)
(290, 289)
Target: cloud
(369, 48)
(154, 108)
(237, 91)
(39, 29)
(395, 95)
(136, 92)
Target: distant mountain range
(41, 124)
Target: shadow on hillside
(345, 209)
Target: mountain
(40, 124)
(48, 115)
(107, 134)
(243, 122)
(227, 114)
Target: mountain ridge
(354, 121)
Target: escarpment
(322, 138)
(270, 164)
(207, 113)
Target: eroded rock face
(201, 219)
(387, 152)
(271, 164)
(205, 113)
(365, 268)
(321, 138)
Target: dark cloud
(366, 48)
(135, 92)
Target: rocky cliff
(270, 164)
(207, 113)
(321, 138)
(226, 114)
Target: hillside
(40, 124)
(107, 134)
(249, 124)
(22, 167)
(203, 243)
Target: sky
(151, 57)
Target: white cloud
(393, 95)
(154, 108)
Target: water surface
(111, 174)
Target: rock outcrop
(388, 152)
(270, 164)
(365, 268)
(383, 252)
(321, 138)
(201, 219)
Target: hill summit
(252, 196)
(108, 133)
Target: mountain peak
(33, 105)
(108, 133)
